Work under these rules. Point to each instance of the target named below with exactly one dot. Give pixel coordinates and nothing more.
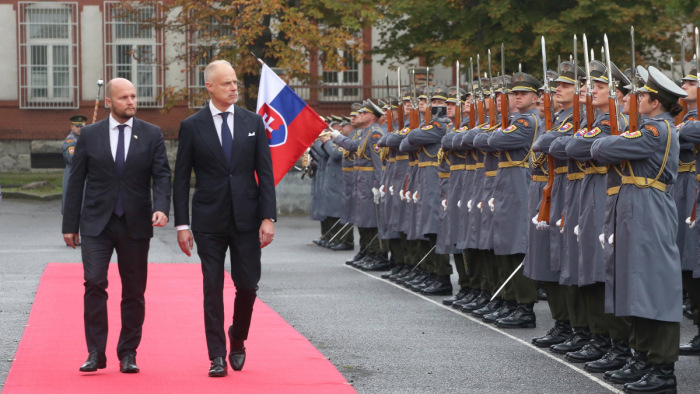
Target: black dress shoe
(479, 302)
(127, 364)
(463, 292)
(380, 263)
(418, 279)
(613, 360)
(317, 241)
(491, 307)
(330, 244)
(429, 280)
(661, 379)
(409, 276)
(394, 271)
(578, 339)
(440, 287)
(633, 371)
(405, 270)
(505, 310)
(523, 317)
(237, 359)
(218, 368)
(594, 350)
(356, 257)
(556, 335)
(467, 299)
(94, 362)
(692, 348)
(341, 247)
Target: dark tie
(226, 139)
(119, 165)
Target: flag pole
(257, 58)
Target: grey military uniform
(690, 132)
(333, 180)
(320, 157)
(68, 152)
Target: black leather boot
(405, 270)
(505, 310)
(441, 286)
(523, 317)
(580, 336)
(463, 292)
(467, 299)
(556, 335)
(660, 379)
(397, 268)
(691, 348)
(491, 307)
(614, 359)
(355, 258)
(479, 302)
(594, 350)
(632, 371)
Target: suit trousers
(245, 254)
(132, 262)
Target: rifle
(413, 115)
(492, 95)
(612, 89)
(546, 203)
(472, 101)
(389, 117)
(589, 83)
(697, 56)
(634, 117)
(97, 100)
(680, 116)
(480, 102)
(458, 108)
(504, 92)
(400, 103)
(577, 88)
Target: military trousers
(658, 339)
(345, 234)
(329, 226)
(602, 323)
(370, 242)
(396, 248)
(576, 307)
(439, 263)
(474, 267)
(692, 286)
(490, 279)
(461, 268)
(524, 288)
(556, 298)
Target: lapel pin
(136, 137)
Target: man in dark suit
(116, 160)
(227, 147)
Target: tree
(284, 33)
(449, 30)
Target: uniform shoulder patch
(404, 131)
(376, 148)
(566, 127)
(69, 141)
(510, 129)
(376, 134)
(605, 123)
(524, 122)
(691, 119)
(593, 133)
(462, 129)
(427, 127)
(634, 134)
(340, 149)
(71, 150)
(581, 132)
(652, 129)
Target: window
(204, 39)
(351, 76)
(134, 50)
(48, 51)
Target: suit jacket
(144, 183)
(224, 192)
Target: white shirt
(114, 136)
(218, 120)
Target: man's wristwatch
(271, 219)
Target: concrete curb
(29, 196)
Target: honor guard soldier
(689, 135)
(368, 170)
(76, 123)
(645, 219)
(319, 159)
(348, 205)
(509, 202)
(333, 188)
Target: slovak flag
(291, 125)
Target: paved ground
(383, 338)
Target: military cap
(354, 108)
(78, 120)
(438, 92)
(508, 82)
(392, 104)
(693, 73)
(661, 85)
(421, 92)
(642, 76)
(523, 82)
(381, 104)
(566, 72)
(405, 94)
(346, 119)
(598, 71)
(622, 80)
(372, 108)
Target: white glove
(408, 196)
(335, 134)
(578, 238)
(534, 219)
(690, 223)
(479, 205)
(375, 192)
(601, 238)
(391, 190)
(469, 206)
(611, 240)
(459, 203)
(415, 197)
(492, 204)
(401, 195)
(382, 192)
(444, 204)
(543, 226)
(561, 229)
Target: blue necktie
(226, 138)
(119, 166)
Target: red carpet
(172, 355)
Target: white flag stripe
(270, 86)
